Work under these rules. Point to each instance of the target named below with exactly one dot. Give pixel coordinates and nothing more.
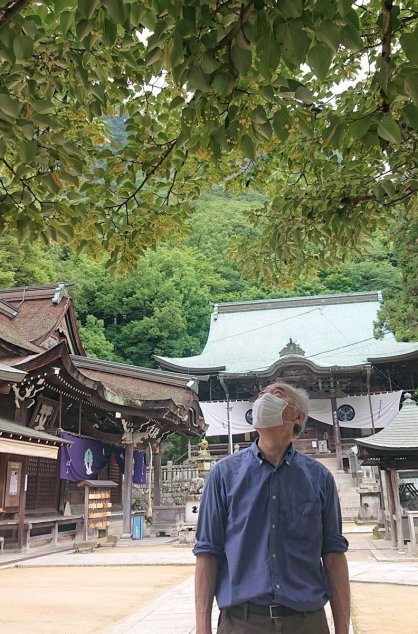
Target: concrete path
(173, 612)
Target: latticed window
(43, 485)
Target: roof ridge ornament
(291, 348)
(59, 293)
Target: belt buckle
(271, 608)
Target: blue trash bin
(138, 527)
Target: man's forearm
(335, 565)
(205, 585)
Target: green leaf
(116, 10)
(268, 52)
(304, 94)
(328, 33)
(248, 147)
(197, 79)
(357, 129)
(66, 21)
(87, 8)
(27, 150)
(319, 59)
(209, 63)
(22, 48)
(62, 5)
(290, 9)
(50, 183)
(259, 115)
(223, 84)
(411, 115)
(305, 124)
(344, 6)
(389, 130)
(388, 186)
(351, 38)
(292, 39)
(9, 106)
(409, 43)
(177, 101)
(84, 28)
(242, 59)
(411, 87)
(281, 123)
(42, 106)
(110, 33)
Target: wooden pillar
(21, 537)
(337, 434)
(391, 508)
(21, 416)
(156, 450)
(398, 509)
(127, 490)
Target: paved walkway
(173, 612)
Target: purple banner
(83, 459)
(140, 467)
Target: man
(269, 541)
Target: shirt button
(277, 585)
(274, 497)
(274, 555)
(273, 525)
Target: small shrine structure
(394, 450)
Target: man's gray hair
(301, 400)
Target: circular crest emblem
(249, 416)
(345, 413)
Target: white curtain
(385, 406)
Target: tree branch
(11, 9)
(243, 17)
(386, 41)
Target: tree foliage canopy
(314, 100)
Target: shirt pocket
(305, 518)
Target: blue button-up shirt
(269, 527)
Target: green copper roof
(322, 331)
(401, 433)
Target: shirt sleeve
(212, 518)
(333, 540)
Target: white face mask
(268, 410)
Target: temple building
(66, 419)
(324, 344)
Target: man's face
(290, 414)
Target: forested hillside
(163, 306)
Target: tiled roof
(38, 313)
(7, 373)
(332, 331)
(140, 390)
(401, 433)
(13, 430)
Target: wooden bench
(47, 528)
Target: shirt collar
(288, 458)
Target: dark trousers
(303, 623)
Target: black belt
(272, 611)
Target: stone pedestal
(370, 506)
